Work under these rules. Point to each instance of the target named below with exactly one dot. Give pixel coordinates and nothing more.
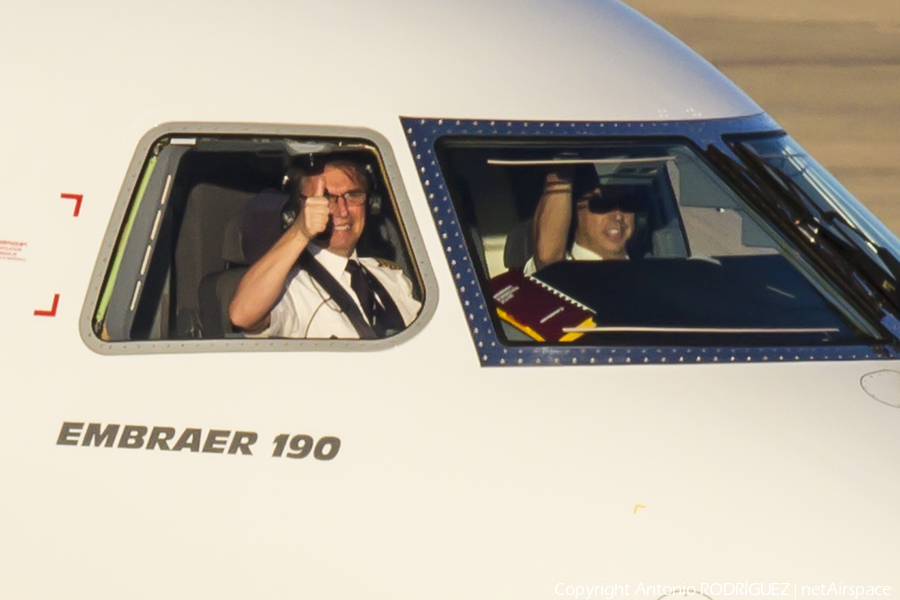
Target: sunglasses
(609, 198)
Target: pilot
(604, 219)
(311, 283)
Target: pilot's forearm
(260, 288)
(551, 222)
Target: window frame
(493, 350)
(129, 193)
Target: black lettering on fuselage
(93, 434)
(242, 441)
(160, 436)
(216, 440)
(132, 436)
(190, 439)
(67, 432)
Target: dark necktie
(359, 283)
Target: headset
(314, 163)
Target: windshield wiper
(834, 226)
(886, 267)
(834, 251)
(816, 224)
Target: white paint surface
(454, 481)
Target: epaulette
(383, 262)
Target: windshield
(632, 242)
(788, 159)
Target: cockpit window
(632, 243)
(203, 207)
(832, 215)
(786, 158)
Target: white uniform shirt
(578, 253)
(307, 311)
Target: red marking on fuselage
(77, 198)
(52, 311)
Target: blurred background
(827, 70)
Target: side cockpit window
(204, 209)
(631, 243)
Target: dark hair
(584, 180)
(350, 168)
(296, 176)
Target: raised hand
(314, 212)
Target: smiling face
(347, 220)
(605, 233)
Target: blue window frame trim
(421, 135)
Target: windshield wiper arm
(833, 227)
(833, 251)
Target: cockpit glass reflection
(634, 243)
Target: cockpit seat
(208, 209)
(247, 236)
(519, 246)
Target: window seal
(125, 210)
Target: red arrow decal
(77, 198)
(52, 311)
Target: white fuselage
(454, 480)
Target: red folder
(537, 309)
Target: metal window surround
(132, 176)
(422, 133)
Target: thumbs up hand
(314, 212)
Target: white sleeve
(529, 267)
(283, 320)
(276, 328)
(279, 318)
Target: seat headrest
(232, 245)
(250, 233)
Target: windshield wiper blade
(834, 251)
(832, 226)
(887, 265)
